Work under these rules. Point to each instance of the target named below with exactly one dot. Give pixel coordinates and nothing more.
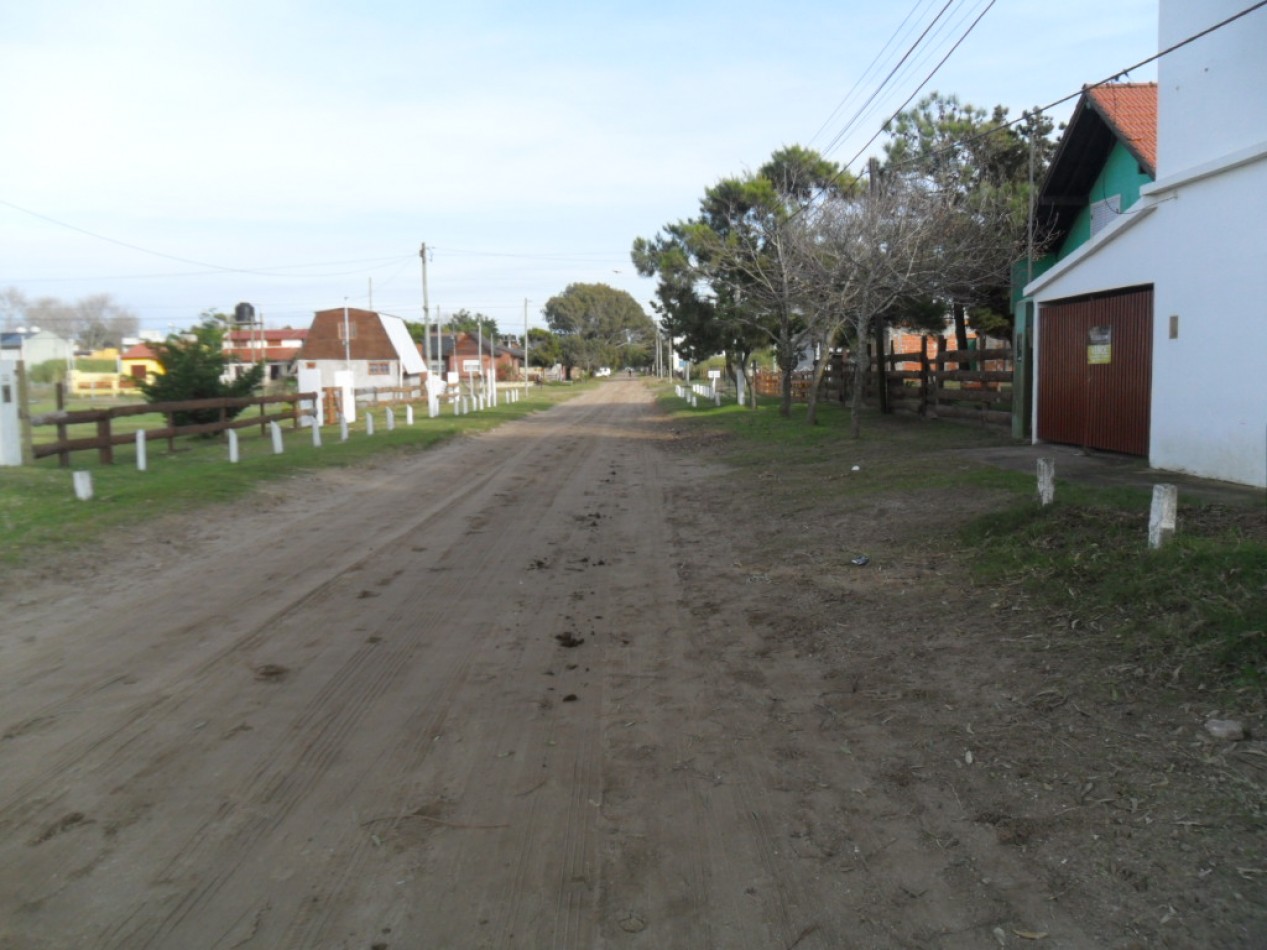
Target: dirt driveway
(559, 686)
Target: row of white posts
(461, 406)
(1162, 516)
(710, 391)
(697, 391)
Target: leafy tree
(466, 322)
(544, 349)
(981, 165)
(50, 371)
(193, 368)
(597, 325)
(728, 279)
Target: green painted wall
(1121, 175)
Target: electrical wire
(207, 268)
(925, 82)
(866, 73)
(1040, 110)
(915, 56)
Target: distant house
(466, 353)
(1148, 335)
(351, 349)
(278, 349)
(139, 363)
(34, 346)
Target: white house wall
(1210, 92)
(1209, 410)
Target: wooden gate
(1095, 361)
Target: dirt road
(520, 691)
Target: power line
(871, 98)
(207, 268)
(927, 79)
(1039, 110)
(867, 72)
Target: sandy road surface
(490, 696)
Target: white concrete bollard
(316, 435)
(391, 421)
(409, 415)
(234, 455)
(1046, 481)
(369, 423)
(343, 430)
(1164, 513)
(276, 432)
(83, 485)
(142, 460)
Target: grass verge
(1195, 610)
(1197, 607)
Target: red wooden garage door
(1095, 359)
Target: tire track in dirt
(142, 715)
(318, 735)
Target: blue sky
(288, 152)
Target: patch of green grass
(1200, 602)
(755, 433)
(39, 511)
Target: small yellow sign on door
(1100, 345)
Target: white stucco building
(1198, 240)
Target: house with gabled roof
(1146, 327)
(348, 348)
(375, 348)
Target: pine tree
(193, 368)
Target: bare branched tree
(866, 253)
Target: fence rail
(105, 440)
(954, 384)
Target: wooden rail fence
(105, 440)
(954, 384)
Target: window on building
(380, 369)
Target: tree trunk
(961, 330)
(811, 402)
(860, 361)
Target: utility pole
(426, 310)
(525, 347)
(347, 338)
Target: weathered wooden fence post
(59, 390)
(1046, 481)
(1161, 519)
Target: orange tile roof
(1130, 109)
